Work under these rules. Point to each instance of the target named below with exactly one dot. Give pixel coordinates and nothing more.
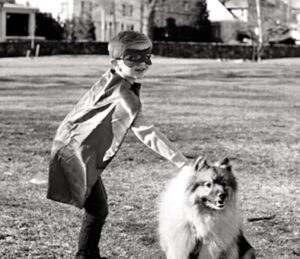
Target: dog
(198, 214)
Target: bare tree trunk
(260, 36)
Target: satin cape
(90, 136)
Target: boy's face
(134, 63)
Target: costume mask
(133, 57)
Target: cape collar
(127, 84)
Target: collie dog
(198, 214)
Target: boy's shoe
(84, 257)
(91, 255)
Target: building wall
(113, 16)
(82, 8)
(182, 11)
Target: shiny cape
(90, 136)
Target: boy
(91, 134)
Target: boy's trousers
(96, 210)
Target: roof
(243, 4)
(236, 4)
(20, 7)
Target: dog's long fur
(198, 215)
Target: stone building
(182, 11)
(113, 16)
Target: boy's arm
(153, 138)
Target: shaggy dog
(198, 215)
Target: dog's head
(212, 186)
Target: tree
(84, 28)
(202, 22)
(202, 13)
(69, 33)
(171, 29)
(199, 30)
(79, 29)
(48, 27)
(148, 15)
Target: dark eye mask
(132, 57)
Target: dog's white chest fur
(216, 231)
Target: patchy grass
(247, 111)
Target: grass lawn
(247, 111)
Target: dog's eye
(224, 184)
(207, 184)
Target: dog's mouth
(214, 204)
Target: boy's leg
(96, 210)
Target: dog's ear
(200, 162)
(224, 163)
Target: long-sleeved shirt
(147, 133)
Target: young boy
(91, 134)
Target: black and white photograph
(149, 129)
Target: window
(82, 8)
(186, 6)
(112, 9)
(124, 9)
(127, 10)
(130, 7)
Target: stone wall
(20, 48)
(167, 49)
(223, 51)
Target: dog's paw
(250, 254)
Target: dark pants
(96, 211)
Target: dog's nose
(222, 196)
